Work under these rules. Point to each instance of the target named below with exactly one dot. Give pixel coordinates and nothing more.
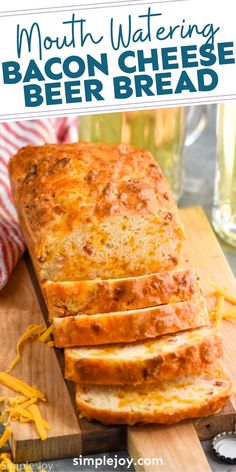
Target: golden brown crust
(104, 296)
(185, 359)
(59, 186)
(129, 325)
(132, 182)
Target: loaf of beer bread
(92, 211)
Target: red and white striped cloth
(13, 136)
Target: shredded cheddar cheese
(20, 387)
(219, 312)
(5, 436)
(13, 401)
(29, 402)
(212, 314)
(212, 294)
(22, 408)
(2, 399)
(44, 337)
(230, 313)
(32, 330)
(223, 292)
(22, 419)
(39, 423)
(18, 412)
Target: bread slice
(189, 397)
(164, 358)
(92, 211)
(131, 325)
(104, 296)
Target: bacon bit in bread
(219, 312)
(5, 436)
(20, 387)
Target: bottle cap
(224, 445)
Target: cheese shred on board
(39, 422)
(219, 312)
(230, 314)
(20, 387)
(5, 436)
(32, 331)
(13, 401)
(223, 292)
(23, 408)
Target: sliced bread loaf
(92, 211)
(104, 296)
(161, 359)
(131, 325)
(188, 397)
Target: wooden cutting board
(21, 304)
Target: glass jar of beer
(224, 207)
(163, 132)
